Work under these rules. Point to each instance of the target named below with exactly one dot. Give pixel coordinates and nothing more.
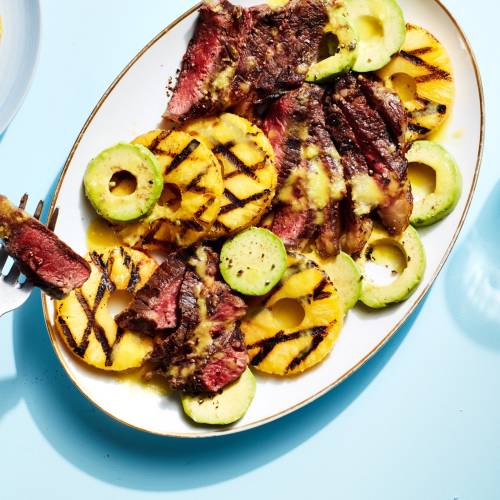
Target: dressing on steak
(386, 161)
(42, 257)
(209, 64)
(207, 350)
(239, 55)
(312, 180)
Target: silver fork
(13, 292)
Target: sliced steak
(385, 159)
(356, 206)
(356, 228)
(154, 307)
(280, 47)
(42, 257)
(208, 66)
(389, 106)
(207, 351)
(309, 166)
(238, 57)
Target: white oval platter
(134, 104)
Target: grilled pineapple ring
(422, 75)
(191, 172)
(249, 173)
(275, 342)
(83, 319)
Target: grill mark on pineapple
(435, 73)
(418, 129)
(104, 268)
(182, 156)
(126, 258)
(292, 270)
(319, 293)
(193, 184)
(318, 335)
(135, 277)
(119, 335)
(92, 324)
(204, 208)
(220, 226)
(193, 224)
(267, 345)
(235, 202)
(69, 336)
(420, 51)
(153, 145)
(224, 151)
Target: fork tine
(53, 219)
(38, 210)
(3, 257)
(13, 274)
(24, 201)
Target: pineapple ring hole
(122, 183)
(405, 86)
(118, 301)
(171, 197)
(422, 180)
(368, 27)
(289, 313)
(385, 261)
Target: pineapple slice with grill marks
(279, 340)
(191, 197)
(84, 321)
(421, 73)
(249, 173)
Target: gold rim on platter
(232, 430)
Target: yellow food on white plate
(249, 173)
(296, 326)
(83, 318)
(191, 196)
(422, 75)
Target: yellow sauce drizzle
(100, 236)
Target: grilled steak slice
(154, 307)
(359, 200)
(384, 158)
(311, 172)
(208, 66)
(389, 106)
(207, 351)
(356, 228)
(281, 46)
(328, 239)
(42, 257)
(239, 56)
(294, 226)
(286, 144)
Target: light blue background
(420, 421)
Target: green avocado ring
(438, 204)
(376, 295)
(343, 54)
(133, 160)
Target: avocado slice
(224, 408)
(438, 204)
(345, 276)
(341, 41)
(126, 164)
(253, 262)
(381, 29)
(378, 295)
